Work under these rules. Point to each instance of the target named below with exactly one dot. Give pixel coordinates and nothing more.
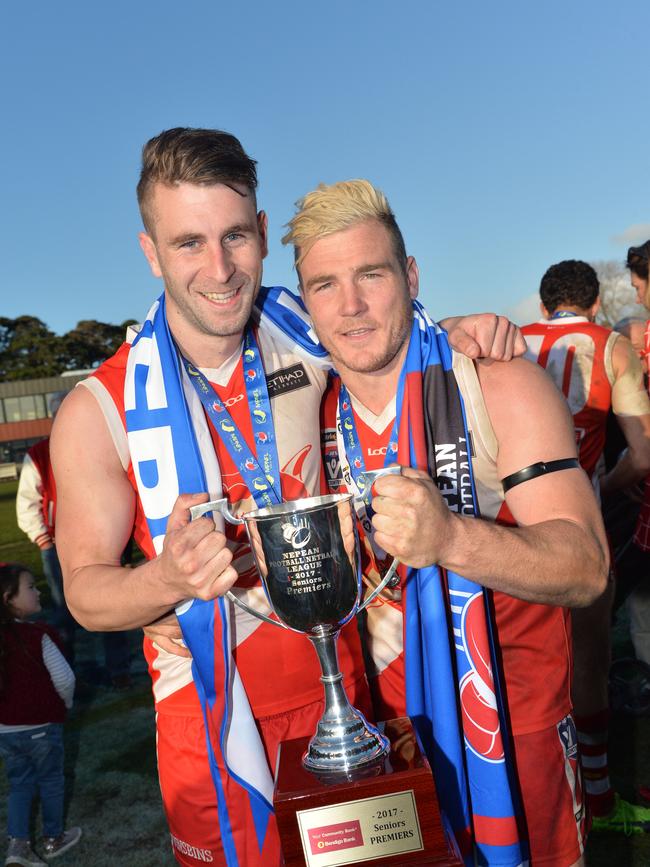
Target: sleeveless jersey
(577, 354)
(279, 668)
(533, 640)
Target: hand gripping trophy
(307, 554)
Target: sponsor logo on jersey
(196, 852)
(231, 401)
(380, 451)
(287, 379)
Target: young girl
(36, 687)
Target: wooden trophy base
(387, 816)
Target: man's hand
(166, 632)
(485, 335)
(195, 561)
(411, 520)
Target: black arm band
(539, 469)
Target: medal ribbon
(353, 451)
(261, 472)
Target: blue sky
(506, 136)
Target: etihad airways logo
(287, 379)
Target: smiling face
(27, 601)
(207, 243)
(359, 297)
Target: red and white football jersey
(290, 674)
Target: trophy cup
(307, 554)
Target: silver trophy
(307, 554)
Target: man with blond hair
(491, 441)
(201, 399)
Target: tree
(91, 342)
(29, 350)
(617, 296)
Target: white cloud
(526, 310)
(635, 234)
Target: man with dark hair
(499, 443)
(639, 599)
(201, 399)
(570, 282)
(596, 369)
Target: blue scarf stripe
(196, 622)
(464, 777)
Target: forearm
(632, 467)
(555, 562)
(625, 474)
(105, 598)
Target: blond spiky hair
(334, 207)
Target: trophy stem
(344, 740)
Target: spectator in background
(36, 688)
(35, 513)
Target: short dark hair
(195, 156)
(9, 587)
(571, 282)
(637, 260)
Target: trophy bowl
(307, 555)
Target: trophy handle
(390, 579)
(221, 506)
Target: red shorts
(550, 781)
(187, 788)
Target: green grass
(110, 767)
(15, 547)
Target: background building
(25, 412)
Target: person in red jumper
(36, 515)
(36, 687)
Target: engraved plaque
(360, 830)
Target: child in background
(36, 687)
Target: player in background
(639, 599)
(596, 369)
